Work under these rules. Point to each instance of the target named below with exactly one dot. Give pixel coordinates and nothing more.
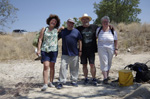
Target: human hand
(116, 52)
(111, 27)
(59, 30)
(80, 53)
(62, 28)
(38, 53)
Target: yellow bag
(125, 77)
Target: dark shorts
(51, 56)
(88, 56)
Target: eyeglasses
(105, 22)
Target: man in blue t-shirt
(70, 52)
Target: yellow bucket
(125, 77)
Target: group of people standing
(76, 42)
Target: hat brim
(85, 17)
(71, 21)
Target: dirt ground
(22, 79)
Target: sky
(32, 14)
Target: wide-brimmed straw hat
(85, 16)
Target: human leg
(91, 58)
(46, 62)
(84, 63)
(93, 73)
(102, 52)
(45, 71)
(52, 73)
(110, 56)
(45, 75)
(63, 69)
(53, 56)
(84, 68)
(93, 70)
(74, 68)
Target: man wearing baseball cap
(89, 47)
(70, 54)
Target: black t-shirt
(88, 37)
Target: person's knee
(52, 66)
(45, 68)
(92, 65)
(84, 66)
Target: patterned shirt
(50, 40)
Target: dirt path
(22, 79)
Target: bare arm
(80, 47)
(40, 41)
(116, 47)
(59, 30)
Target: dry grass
(16, 46)
(134, 36)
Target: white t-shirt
(106, 39)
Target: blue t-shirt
(69, 41)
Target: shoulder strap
(112, 30)
(43, 33)
(99, 31)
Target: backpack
(36, 39)
(112, 30)
(142, 71)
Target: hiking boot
(108, 78)
(45, 86)
(59, 86)
(94, 82)
(51, 84)
(74, 84)
(105, 81)
(86, 81)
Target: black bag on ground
(142, 71)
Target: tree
(77, 23)
(7, 13)
(118, 10)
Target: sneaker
(86, 81)
(105, 81)
(74, 84)
(45, 86)
(51, 84)
(94, 82)
(59, 86)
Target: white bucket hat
(85, 16)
